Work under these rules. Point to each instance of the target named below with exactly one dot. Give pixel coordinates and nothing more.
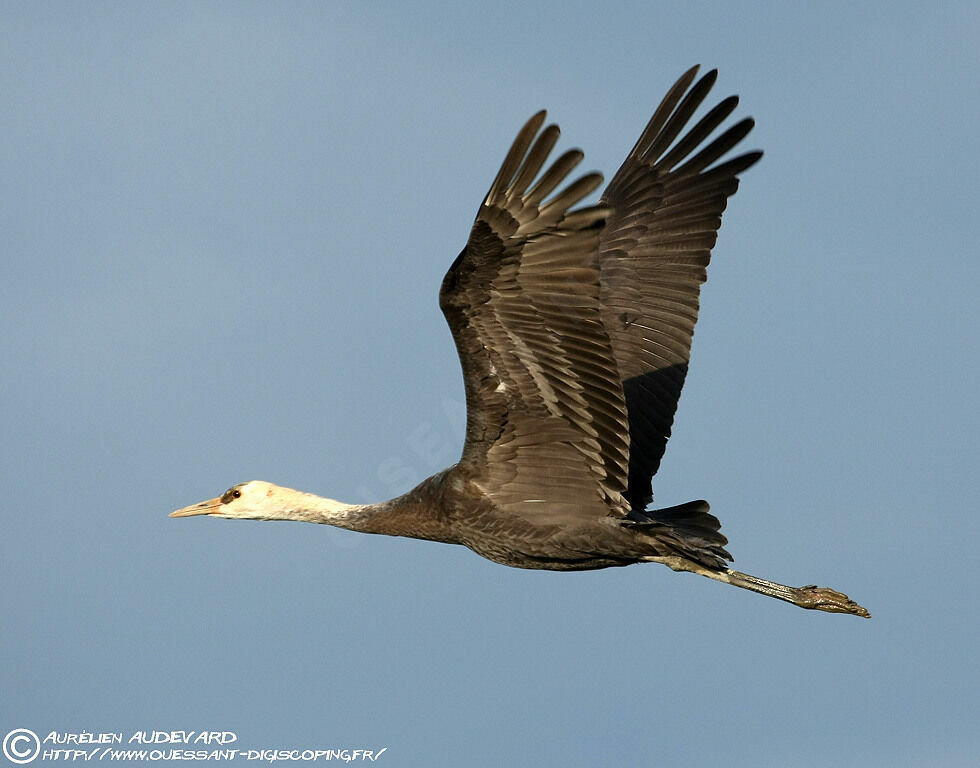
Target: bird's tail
(689, 529)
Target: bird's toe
(826, 599)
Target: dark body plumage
(573, 327)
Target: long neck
(416, 514)
(310, 508)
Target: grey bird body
(574, 329)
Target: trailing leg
(811, 596)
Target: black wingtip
(709, 78)
(749, 159)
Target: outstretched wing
(666, 207)
(546, 434)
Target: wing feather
(574, 326)
(547, 429)
(654, 252)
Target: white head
(258, 500)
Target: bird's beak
(204, 508)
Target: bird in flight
(573, 327)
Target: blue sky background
(223, 228)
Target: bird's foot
(825, 599)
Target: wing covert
(546, 418)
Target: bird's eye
(230, 495)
